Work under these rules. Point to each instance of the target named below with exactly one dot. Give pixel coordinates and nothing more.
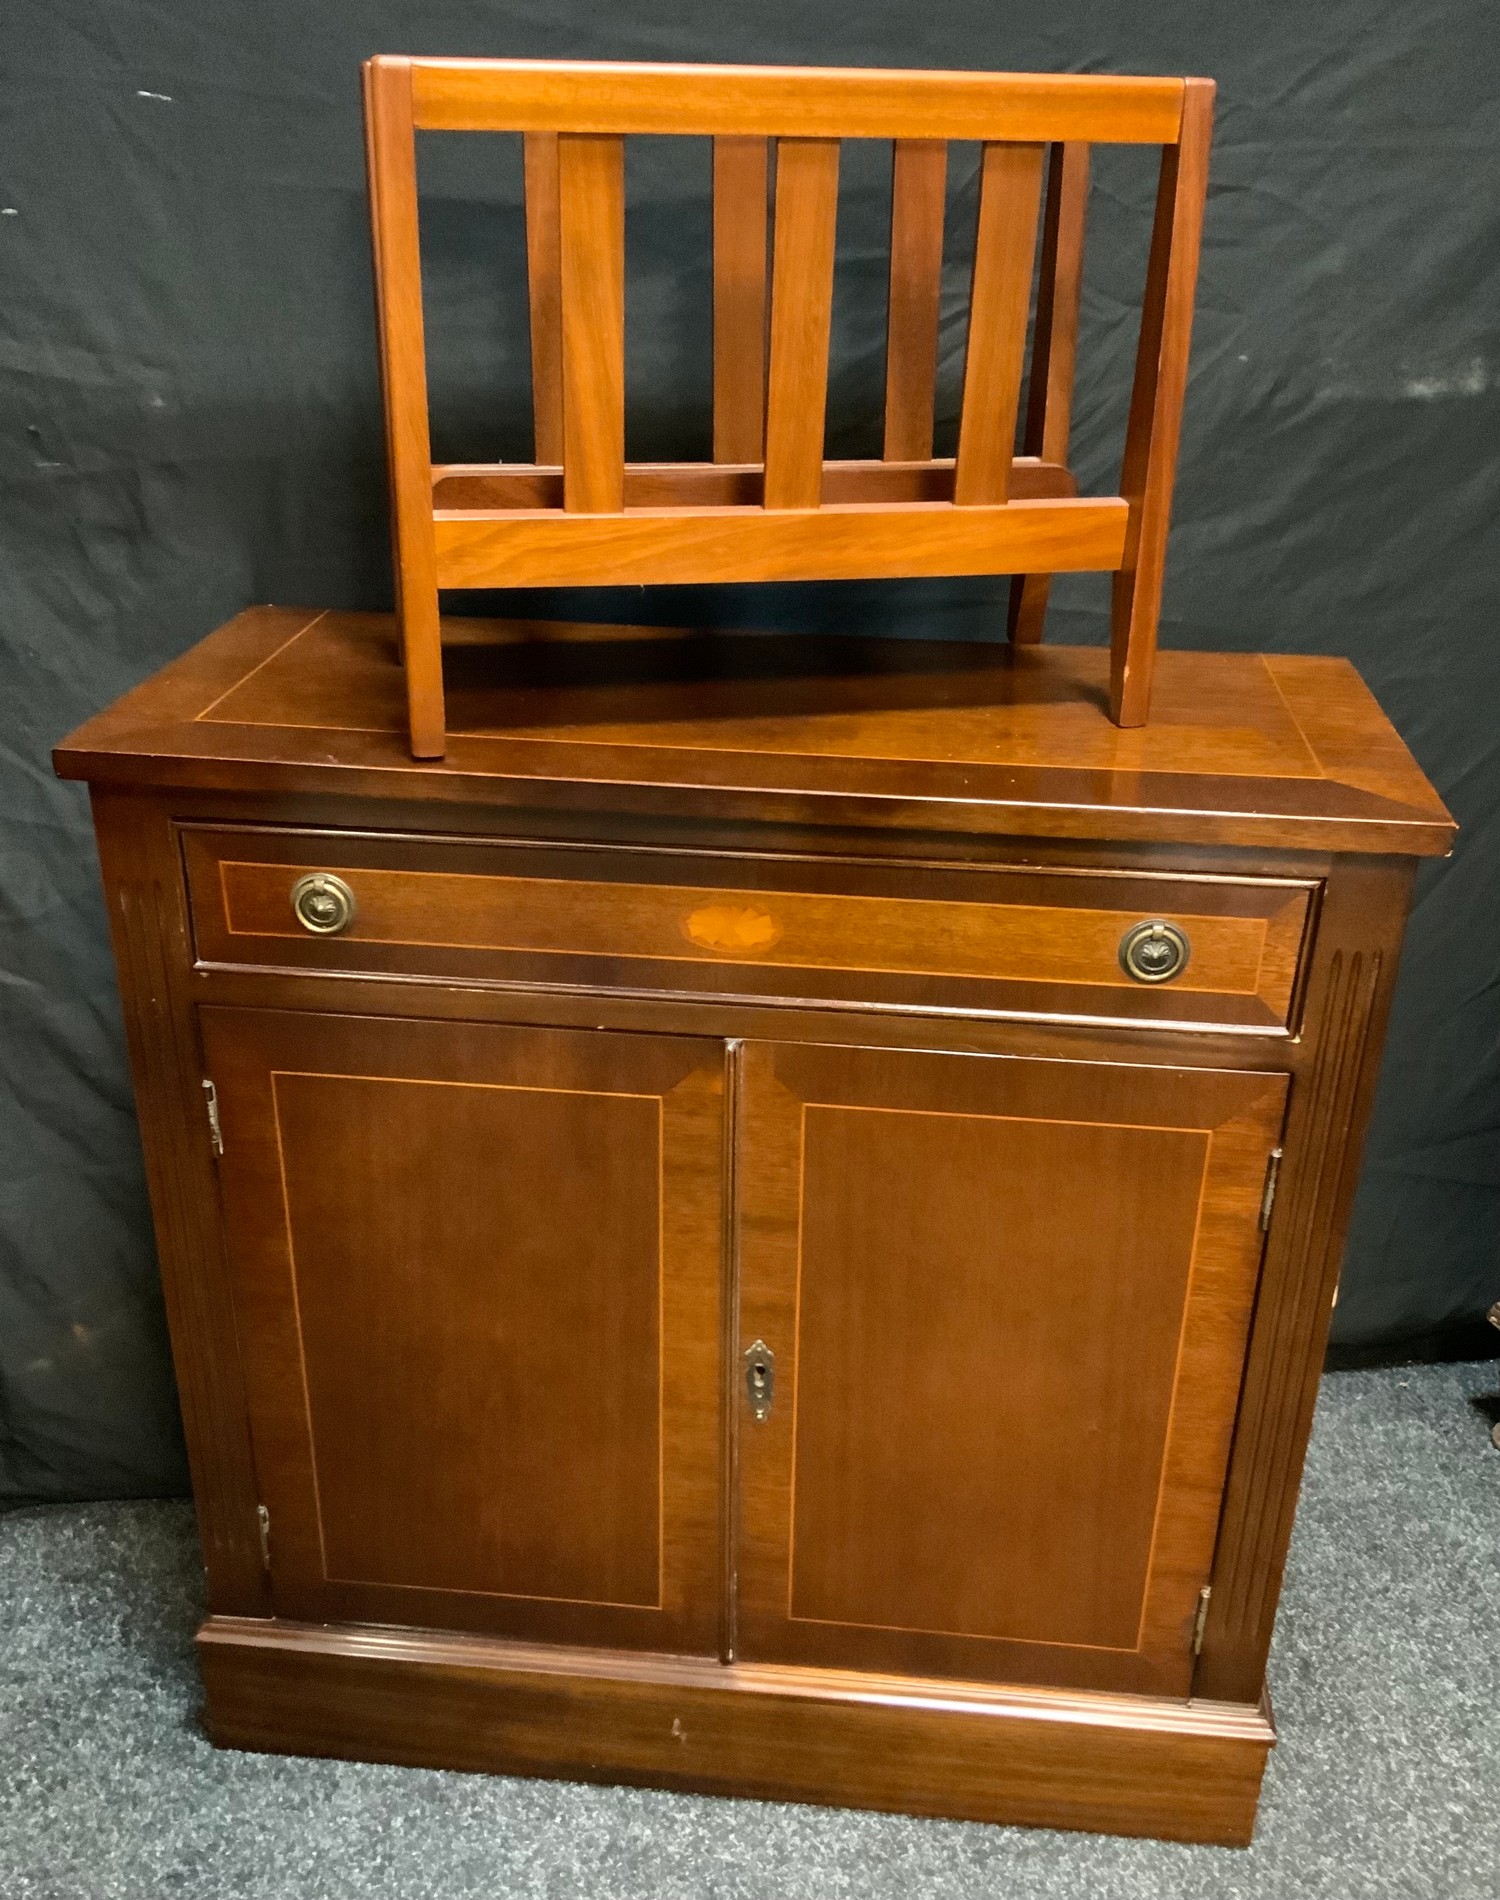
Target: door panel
(477, 1276)
(1008, 1302)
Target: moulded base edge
(1035, 1757)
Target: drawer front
(844, 931)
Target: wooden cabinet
(696, 1256)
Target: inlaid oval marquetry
(731, 930)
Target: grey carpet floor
(1386, 1782)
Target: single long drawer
(981, 939)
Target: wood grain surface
(683, 1007)
(391, 172)
(150, 931)
(799, 541)
(1008, 1303)
(999, 305)
(1054, 350)
(806, 213)
(479, 1401)
(544, 296)
(1156, 403)
(591, 251)
(740, 205)
(919, 182)
(1353, 979)
(494, 485)
(497, 95)
(851, 930)
(1053, 1759)
(1274, 752)
(771, 380)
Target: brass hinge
(215, 1132)
(263, 1524)
(1201, 1619)
(1268, 1192)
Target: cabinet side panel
(1350, 988)
(149, 929)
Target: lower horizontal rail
(869, 541)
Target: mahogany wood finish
(391, 169)
(790, 539)
(824, 929)
(970, 1374)
(741, 172)
(478, 1403)
(807, 185)
(812, 102)
(148, 918)
(1125, 1765)
(732, 483)
(1156, 400)
(1274, 752)
(752, 995)
(1361, 937)
(790, 517)
(1009, 183)
(544, 288)
(591, 257)
(919, 185)
(1054, 348)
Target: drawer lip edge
(1281, 1032)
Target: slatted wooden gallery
(771, 506)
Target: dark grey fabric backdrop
(189, 423)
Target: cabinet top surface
(1269, 750)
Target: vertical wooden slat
(740, 174)
(591, 223)
(807, 188)
(391, 163)
(1049, 399)
(919, 179)
(999, 301)
(1054, 352)
(544, 287)
(1156, 400)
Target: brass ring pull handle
(1154, 952)
(323, 903)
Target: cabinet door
(477, 1279)
(1007, 1301)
